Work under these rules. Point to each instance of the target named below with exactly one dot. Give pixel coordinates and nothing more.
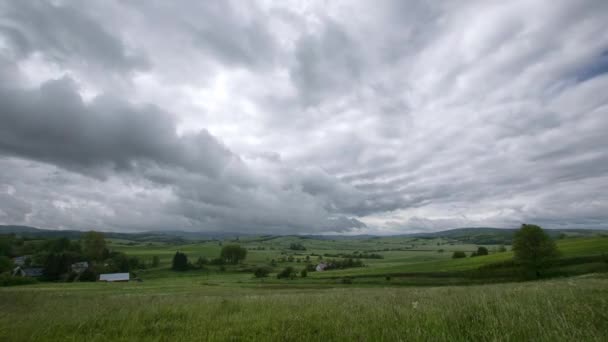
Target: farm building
(321, 267)
(79, 267)
(28, 271)
(112, 277)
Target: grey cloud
(63, 34)
(13, 209)
(53, 124)
(327, 63)
(211, 187)
(392, 117)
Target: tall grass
(574, 309)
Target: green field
(574, 309)
(415, 292)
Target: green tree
(533, 248)
(233, 254)
(180, 262)
(94, 245)
(480, 251)
(458, 255)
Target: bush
(347, 280)
(261, 272)
(88, 275)
(8, 280)
(303, 273)
(482, 251)
(458, 255)
(287, 272)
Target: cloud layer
(314, 117)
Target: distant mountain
(488, 235)
(474, 235)
(172, 236)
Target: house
(28, 271)
(79, 267)
(21, 260)
(112, 277)
(321, 267)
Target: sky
(303, 117)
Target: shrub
(88, 275)
(303, 273)
(482, 251)
(261, 272)
(347, 280)
(458, 255)
(8, 280)
(287, 272)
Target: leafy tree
(480, 251)
(180, 262)
(533, 248)
(94, 245)
(233, 254)
(458, 255)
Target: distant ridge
(475, 235)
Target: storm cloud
(314, 117)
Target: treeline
(52, 259)
(355, 255)
(230, 254)
(342, 264)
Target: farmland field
(416, 291)
(574, 309)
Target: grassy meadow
(416, 292)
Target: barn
(112, 277)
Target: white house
(111, 277)
(321, 267)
